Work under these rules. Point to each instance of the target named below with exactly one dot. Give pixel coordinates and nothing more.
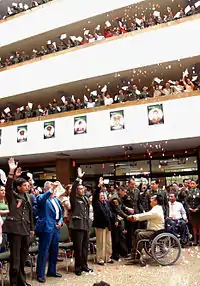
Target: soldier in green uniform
(193, 205)
(156, 191)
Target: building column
(65, 172)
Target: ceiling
(88, 154)
(74, 29)
(141, 76)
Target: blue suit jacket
(46, 221)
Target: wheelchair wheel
(166, 249)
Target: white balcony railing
(137, 49)
(58, 14)
(136, 128)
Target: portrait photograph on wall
(80, 125)
(49, 129)
(117, 120)
(155, 114)
(22, 134)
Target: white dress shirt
(155, 218)
(177, 211)
(108, 101)
(56, 208)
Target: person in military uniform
(79, 225)
(127, 207)
(136, 201)
(117, 229)
(18, 224)
(156, 191)
(193, 205)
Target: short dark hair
(173, 193)
(132, 179)
(102, 283)
(159, 199)
(19, 182)
(157, 181)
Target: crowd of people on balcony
(118, 27)
(17, 8)
(122, 215)
(130, 92)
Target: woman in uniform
(193, 203)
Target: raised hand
(55, 185)
(12, 164)
(80, 173)
(18, 172)
(101, 181)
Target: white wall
(55, 15)
(141, 49)
(178, 123)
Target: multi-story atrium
(112, 87)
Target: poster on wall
(155, 114)
(22, 133)
(0, 135)
(117, 120)
(80, 125)
(49, 129)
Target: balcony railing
(106, 40)
(101, 108)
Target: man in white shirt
(155, 222)
(177, 220)
(176, 209)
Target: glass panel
(132, 168)
(106, 169)
(179, 179)
(186, 164)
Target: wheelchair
(162, 246)
(179, 228)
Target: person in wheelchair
(177, 221)
(155, 222)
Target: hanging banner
(22, 133)
(117, 120)
(80, 125)
(49, 129)
(155, 114)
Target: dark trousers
(130, 230)
(80, 239)
(19, 246)
(119, 246)
(48, 246)
(140, 234)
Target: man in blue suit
(47, 229)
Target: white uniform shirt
(177, 211)
(155, 218)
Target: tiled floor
(185, 273)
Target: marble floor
(186, 272)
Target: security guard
(79, 225)
(18, 224)
(117, 229)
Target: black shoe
(41, 280)
(116, 258)
(78, 273)
(26, 284)
(87, 269)
(110, 261)
(100, 263)
(56, 275)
